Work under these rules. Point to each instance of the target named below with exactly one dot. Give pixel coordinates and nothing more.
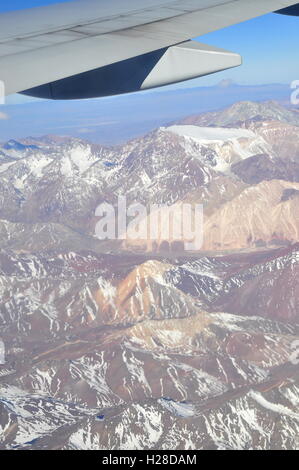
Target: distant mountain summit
(226, 83)
(244, 111)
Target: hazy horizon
(116, 119)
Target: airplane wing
(91, 48)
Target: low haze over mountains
(116, 345)
(115, 120)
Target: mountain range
(113, 344)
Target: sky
(9, 5)
(268, 45)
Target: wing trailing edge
(166, 66)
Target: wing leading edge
(106, 48)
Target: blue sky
(269, 46)
(20, 4)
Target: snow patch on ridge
(210, 134)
